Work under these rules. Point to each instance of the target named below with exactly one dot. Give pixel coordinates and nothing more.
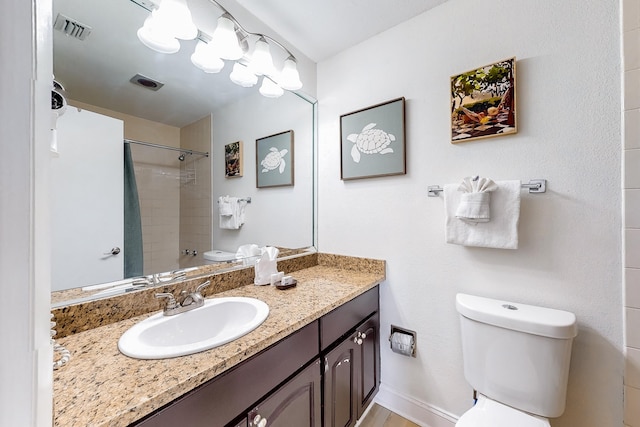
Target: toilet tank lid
(217, 255)
(547, 322)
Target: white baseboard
(420, 413)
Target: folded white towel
(234, 219)
(501, 232)
(475, 200)
(224, 206)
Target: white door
(87, 200)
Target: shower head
(181, 157)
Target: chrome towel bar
(246, 199)
(535, 186)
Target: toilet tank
(517, 354)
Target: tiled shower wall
(158, 181)
(631, 155)
(195, 193)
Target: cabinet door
(369, 366)
(297, 403)
(341, 384)
(352, 375)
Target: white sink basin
(217, 322)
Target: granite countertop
(102, 387)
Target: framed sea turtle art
(274, 160)
(373, 141)
(483, 102)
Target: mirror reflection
(179, 168)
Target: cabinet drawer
(340, 321)
(220, 400)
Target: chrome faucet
(189, 302)
(169, 277)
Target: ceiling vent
(71, 27)
(146, 82)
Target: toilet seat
(489, 413)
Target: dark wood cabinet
(351, 375)
(297, 403)
(324, 374)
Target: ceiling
(97, 70)
(322, 28)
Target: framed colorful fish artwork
(274, 160)
(483, 102)
(373, 141)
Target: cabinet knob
(359, 337)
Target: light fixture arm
(230, 41)
(249, 33)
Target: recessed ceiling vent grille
(146, 82)
(71, 27)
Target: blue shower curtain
(133, 256)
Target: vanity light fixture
(206, 58)
(171, 20)
(261, 63)
(225, 38)
(242, 76)
(270, 89)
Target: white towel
(501, 232)
(224, 206)
(231, 217)
(475, 200)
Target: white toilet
(516, 357)
(217, 256)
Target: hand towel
(224, 206)
(239, 211)
(475, 200)
(501, 232)
(235, 219)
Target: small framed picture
(233, 160)
(274, 160)
(483, 102)
(372, 141)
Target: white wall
(277, 216)
(26, 386)
(631, 153)
(569, 103)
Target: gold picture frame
(483, 102)
(233, 160)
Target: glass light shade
(206, 58)
(261, 61)
(152, 36)
(174, 17)
(270, 89)
(242, 76)
(289, 77)
(225, 40)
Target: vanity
(314, 361)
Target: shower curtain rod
(166, 147)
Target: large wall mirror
(173, 142)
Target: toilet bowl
(216, 256)
(487, 412)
